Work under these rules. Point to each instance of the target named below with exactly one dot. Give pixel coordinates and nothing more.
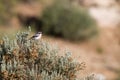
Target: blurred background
(90, 29)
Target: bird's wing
(36, 35)
(33, 37)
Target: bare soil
(105, 61)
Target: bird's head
(39, 33)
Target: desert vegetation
(65, 20)
(21, 58)
(56, 18)
(71, 26)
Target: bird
(37, 36)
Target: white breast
(39, 37)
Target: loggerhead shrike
(37, 36)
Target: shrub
(24, 59)
(63, 19)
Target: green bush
(24, 59)
(63, 19)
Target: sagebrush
(65, 20)
(24, 59)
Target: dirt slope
(104, 62)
